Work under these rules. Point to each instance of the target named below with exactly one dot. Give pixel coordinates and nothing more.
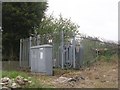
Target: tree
(51, 28)
(19, 19)
(54, 26)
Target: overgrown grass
(108, 58)
(14, 74)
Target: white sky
(95, 17)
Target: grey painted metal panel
(41, 59)
(48, 59)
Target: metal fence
(25, 52)
(65, 50)
(10, 65)
(93, 48)
(25, 45)
(90, 51)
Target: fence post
(30, 38)
(20, 57)
(74, 51)
(62, 51)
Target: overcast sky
(95, 17)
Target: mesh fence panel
(91, 47)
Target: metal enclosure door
(41, 60)
(34, 58)
(48, 60)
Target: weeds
(13, 74)
(108, 57)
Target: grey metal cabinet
(41, 59)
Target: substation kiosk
(41, 59)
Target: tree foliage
(54, 26)
(19, 19)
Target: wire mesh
(92, 47)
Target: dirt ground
(99, 75)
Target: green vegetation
(19, 21)
(13, 74)
(95, 49)
(52, 27)
(50, 24)
(35, 82)
(108, 57)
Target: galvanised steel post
(20, 57)
(62, 47)
(74, 50)
(30, 39)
